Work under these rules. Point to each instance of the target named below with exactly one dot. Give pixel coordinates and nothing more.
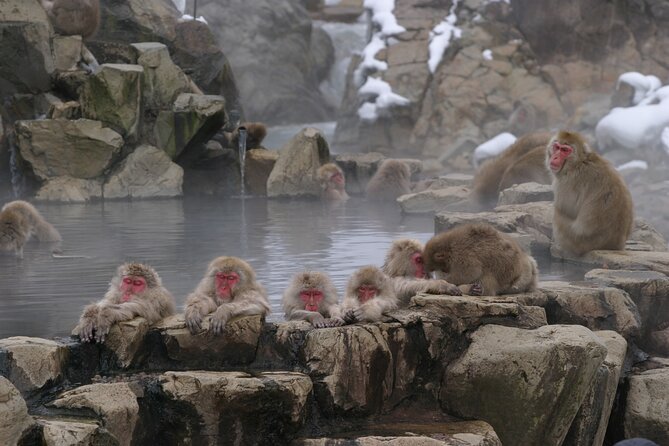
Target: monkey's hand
(349, 317)
(444, 287)
(101, 331)
(218, 320)
(317, 320)
(86, 329)
(476, 289)
(334, 322)
(193, 322)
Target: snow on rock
(643, 85)
(636, 164)
(493, 147)
(180, 5)
(385, 98)
(487, 55)
(440, 37)
(187, 17)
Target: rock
(589, 426)
(594, 307)
(237, 344)
(445, 181)
(135, 20)
(26, 62)
(113, 95)
(358, 169)
(115, 404)
(257, 169)
(646, 413)
(502, 221)
(163, 80)
(648, 290)
(57, 147)
(540, 211)
(644, 232)
(243, 409)
(147, 172)
(294, 173)
(69, 190)
(528, 384)
(193, 120)
(526, 193)
(31, 363)
(632, 260)
(125, 340)
(14, 418)
(658, 341)
(67, 52)
(74, 433)
(432, 200)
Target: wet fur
(154, 304)
(392, 179)
(329, 189)
(374, 309)
(478, 253)
(593, 208)
(293, 305)
(19, 221)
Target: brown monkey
(522, 162)
(406, 269)
(255, 133)
(135, 291)
(369, 294)
(74, 17)
(592, 207)
(228, 289)
(311, 296)
(478, 253)
(19, 220)
(391, 180)
(332, 181)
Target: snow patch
(636, 164)
(492, 147)
(487, 55)
(188, 17)
(440, 37)
(642, 84)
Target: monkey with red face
(311, 296)
(369, 294)
(135, 291)
(405, 266)
(332, 181)
(592, 207)
(228, 289)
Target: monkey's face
(419, 265)
(338, 179)
(312, 298)
(132, 286)
(559, 153)
(367, 292)
(225, 283)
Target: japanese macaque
(255, 133)
(228, 289)
(592, 206)
(311, 296)
(135, 291)
(74, 17)
(332, 181)
(391, 180)
(404, 265)
(19, 221)
(369, 294)
(522, 162)
(479, 254)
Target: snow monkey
(255, 133)
(332, 181)
(74, 17)
(369, 294)
(404, 265)
(391, 180)
(135, 291)
(19, 220)
(522, 162)
(478, 253)
(592, 207)
(311, 296)
(228, 289)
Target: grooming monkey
(228, 289)
(369, 294)
(332, 181)
(592, 208)
(480, 254)
(405, 267)
(392, 179)
(136, 290)
(311, 296)
(19, 221)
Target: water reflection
(43, 296)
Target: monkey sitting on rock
(311, 296)
(369, 295)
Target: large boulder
(63, 432)
(526, 193)
(258, 166)
(69, 190)
(58, 147)
(146, 173)
(294, 173)
(358, 169)
(647, 411)
(432, 200)
(31, 363)
(14, 418)
(528, 384)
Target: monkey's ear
(440, 256)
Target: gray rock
(57, 432)
(113, 95)
(14, 418)
(257, 169)
(294, 173)
(644, 232)
(358, 169)
(147, 172)
(526, 193)
(125, 340)
(432, 200)
(58, 147)
(31, 363)
(646, 412)
(631, 260)
(528, 384)
(67, 52)
(69, 190)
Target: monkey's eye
(127, 280)
(419, 259)
(137, 282)
(231, 277)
